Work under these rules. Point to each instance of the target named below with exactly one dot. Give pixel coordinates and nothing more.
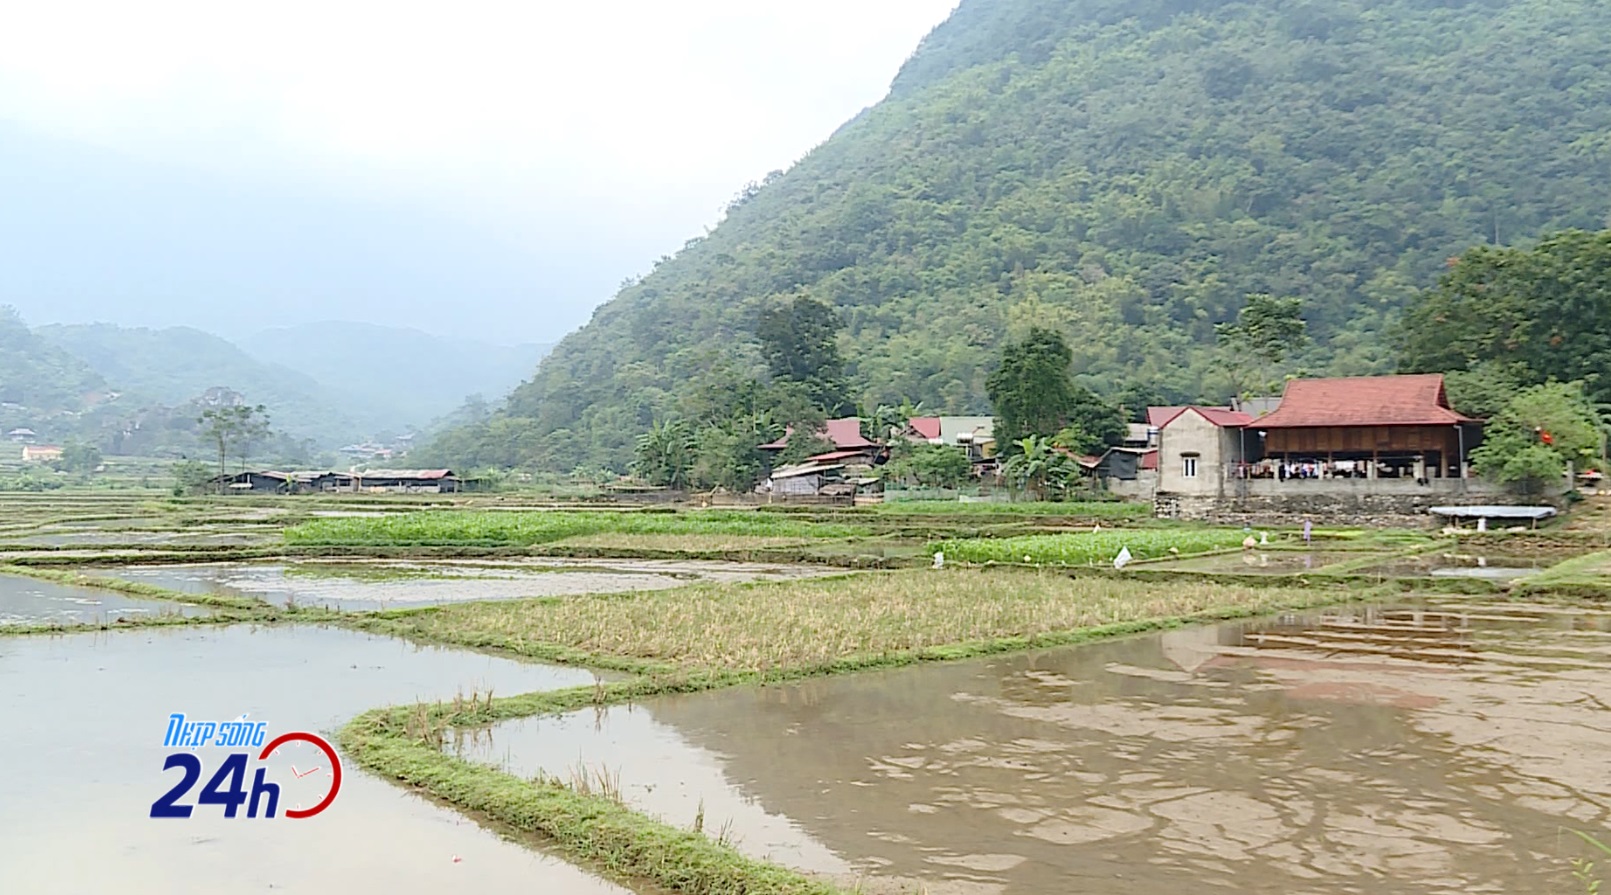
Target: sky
(487, 168)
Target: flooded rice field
(25, 601)
(1432, 748)
(201, 537)
(396, 585)
(1488, 566)
(84, 769)
(1259, 562)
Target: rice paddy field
(812, 625)
(753, 596)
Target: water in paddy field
(1259, 562)
(26, 601)
(83, 756)
(375, 585)
(1433, 748)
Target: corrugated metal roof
(843, 433)
(426, 474)
(1416, 400)
(790, 472)
(1494, 512)
(835, 455)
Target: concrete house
(41, 453)
(1199, 449)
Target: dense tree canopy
(1124, 172)
(1034, 394)
(1530, 314)
(1538, 435)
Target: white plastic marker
(1123, 559)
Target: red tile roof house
(1398, 425)
(845, 436)
(1359, 447)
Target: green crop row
(1090, 548)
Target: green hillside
(171, 367)
(37, 377)
(1127, 171)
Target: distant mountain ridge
(101, 382)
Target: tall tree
(665, 455)
(1543, 311)
(1034, 393)
(800, 341)
(1267, 330)
(233, 426)
(1542, 429)
(1033, 389)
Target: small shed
(1122, 463)
(407, 481)
(805, 479)
(1485, 514)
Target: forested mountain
(38, 376)
(408, 376)
(1126, 171)
(175, 365)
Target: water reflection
(25, 601)
(1427, 748)
(83, 757)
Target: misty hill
(173, 366)
(408, 376)
(39, 377)
(1128, 171)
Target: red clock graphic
(330, 755)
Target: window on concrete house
(1188, 463)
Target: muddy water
(1489, 566)
(27, 601)
(371, 586)
(1434, 749)
(83, 762)
(1260, 562)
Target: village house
(405, 481)
(973, 434)
(1366, 427)
(845, 436)
(1197, 448)
(408, 481)
(22, 436)
(41, 453)
(1355, 446)
(272, 482)
(1130, 472)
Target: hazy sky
(491, 168)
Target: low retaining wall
(1353, 504)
